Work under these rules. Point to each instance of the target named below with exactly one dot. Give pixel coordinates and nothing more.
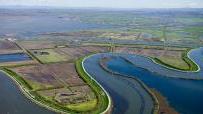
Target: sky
(107, 3)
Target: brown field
(50, 76)
(72, 95)
(149, 52)
(6, 44)
(18, 63)
(37, 44)
(57, 82)
(75, 52)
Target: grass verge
(102, 98)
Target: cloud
(108, 3)
(191, 4)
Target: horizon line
(72, 7)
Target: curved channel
(129, 97)
(185, 96)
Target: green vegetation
(83, 106)
(37, 86)
(192, 65)
(102, 102)
(173, 62)
(186, 64)
(50, 57)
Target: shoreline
(29, 95)
(110, 103)
(26, 91)
(164, 105)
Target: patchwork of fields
(57, 82)
(66, 53)
(51, 74)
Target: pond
(14, 57)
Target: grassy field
(177, 63)
(183, 63)
(102, 103)
(84, 106)
(50, 57)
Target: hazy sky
(108, 3)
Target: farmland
(67, 53)
(34, 44)
(57, 84)
(62, 86)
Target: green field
(51, 57)
(184, 63)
